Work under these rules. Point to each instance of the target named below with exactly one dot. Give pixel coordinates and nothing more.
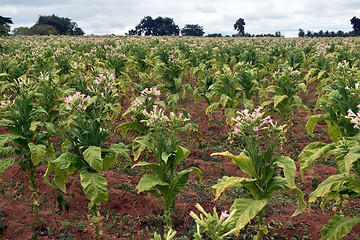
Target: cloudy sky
(216, 16)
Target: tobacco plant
(286, 99)
(263, 162)
(164, 182)
(86, 151)
(28, 137)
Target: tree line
(148, 26)
(45, 25)
(355, 22)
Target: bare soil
(129, 215)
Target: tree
(240, 26)
(155, 27)
(42, 29)
(192, 30)
(356, 24)
(21, 31)
(301, 33)
(4, 25)
(63, 26)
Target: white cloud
(261, 16)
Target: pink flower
(256, 129)
(151, 121)
(224, 214)
(236, 130)
(166, 117)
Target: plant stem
(261, 227)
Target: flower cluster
(156, 118)
(355, 118)
(104, 86)
(77, 102)
(249, 125)
(244, 119)
(143, 104)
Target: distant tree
(42, 29)
(301, 33)
(356, 25)
(240, 26)
(4, 25)
(192, 30)
(214, 35)
(155, 27)
(21, 31)
(63, 26)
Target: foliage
(285, 99)
(4, 25)
(192, 30)
(239, 26)
(28, 137)
(262, 161)
(164, 183)
(155, 27)
(63, 26)
(214, 226)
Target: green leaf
(243, 162)
(157, 169)
(92, 155)
(66, 160)
(338, 227)
(313, 120)
(149, 182)
(124, 127)
(140, 144)
(334, 131)
(213, 107)
(37, 153)
(173, 100)
(288, 165)
(181, 153)
(6, 163)
(246, 209)
(335, 183)
(310, 153)
(8, 137)
(279, 99)
(95, 187)
(300, 201)
(228, 182)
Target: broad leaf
(334, 131)
(310, 125)
(157, 169)
(246, 209)
(228, 182)
(8, 137)
(65, 160)
(338, 227)
(124, 127)
(37, 153)
(279, 99)
(140, 144)
(149, 182)
(243, 162)
(310, 153)
(335, 183)
(181, 153)
(95, 187)
(288, 165)
(173, 100)
(92, 155)
(6, 163)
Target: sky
(102, 17)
